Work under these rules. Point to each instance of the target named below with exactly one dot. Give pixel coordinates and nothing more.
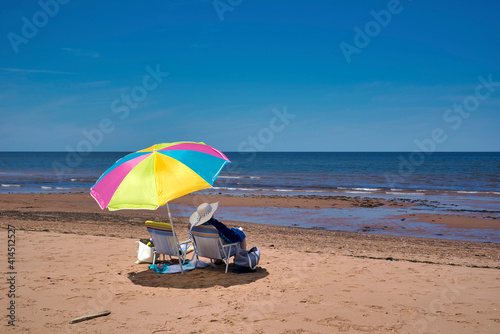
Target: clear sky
(250, 75)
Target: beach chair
(165, 242)
(207, 243)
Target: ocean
(283, 173)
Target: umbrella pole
(169, 215)
(182, 258)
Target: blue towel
(176, 268)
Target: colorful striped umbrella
(151, 177)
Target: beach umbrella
(152, 177)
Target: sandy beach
(73, 259)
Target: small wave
(314, 191)
(486, 193)
(345, 190)
(283, 190)
(349, 189)
(11, 185)
(45, 187)
(265, 189)
(87, 179)
(63, 188)
(237, 189)
(239, 177)
(400, 193)
(367, 189)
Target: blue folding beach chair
(207, 243)
(165, 242)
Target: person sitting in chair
(204, 215)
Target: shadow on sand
(196, 279)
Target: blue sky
(250, 75)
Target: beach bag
(145, 254)
(246, 261)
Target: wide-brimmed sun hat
(203, 214)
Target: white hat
(203, 214)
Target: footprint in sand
(125, 296)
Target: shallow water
(380, 220)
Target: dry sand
(73, 259)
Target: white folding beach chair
(207, 243)
(165, 242)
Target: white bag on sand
(145, 253)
